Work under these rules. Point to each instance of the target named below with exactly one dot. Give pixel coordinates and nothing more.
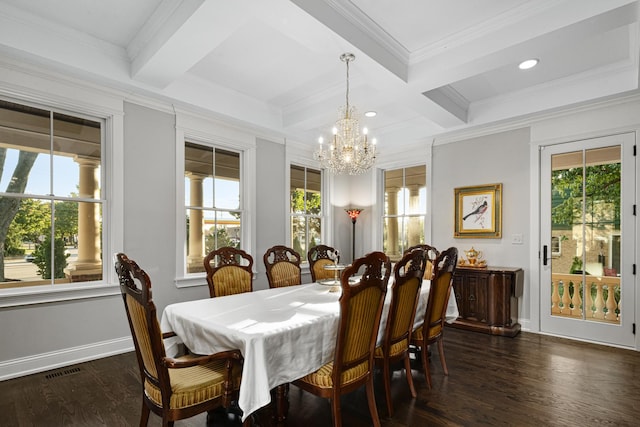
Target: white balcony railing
(601, 302)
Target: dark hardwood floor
(529, 380)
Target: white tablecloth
(282, 333)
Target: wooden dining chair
(431, 254)
(432, 329)
(319, 256)
(173, 388)
(405, 292)
(283, 266)
(360, 310)
(229, 271)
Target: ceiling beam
(181, 35)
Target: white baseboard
(65, 357)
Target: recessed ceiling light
(370, 114)
(529, 63)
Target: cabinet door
(477, 297)
(500, 291)
(460, 293)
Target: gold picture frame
(478, 211)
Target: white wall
(497, 158)
(271, 205)
(354, 192)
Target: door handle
(544, 255)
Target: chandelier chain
(347, 97)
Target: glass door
(587, 227)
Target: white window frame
(297, 155)
(290, 215)
(99, 107)
(382, 216)
(211, 132)
(404, 159)
(213, 209)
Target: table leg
(282, 404)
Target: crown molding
(56, 34)
(33, 83)
(533, 118)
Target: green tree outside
(602, 186)
(32, 220)
(219, 238)
(43, 258)
(66, 222)
(303, 227)
(9, 206)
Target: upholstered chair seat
(323, 377)
(196, 384)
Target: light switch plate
(516, 239)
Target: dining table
(283, 333)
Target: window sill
(15, 297)
(190, 282)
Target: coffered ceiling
(427, 67)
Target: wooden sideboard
(488, 299)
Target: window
(212, 201)
(51, 197)
(556, 245)
(306, 208)
(405, 209)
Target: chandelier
(349, 150)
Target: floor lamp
(353, 214)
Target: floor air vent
(62, 373)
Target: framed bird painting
(478, 211)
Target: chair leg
(407, 368)
(144, 416)
(387, 385)
(425, 365)
(371, 398)
(442, 361)
(335, 411)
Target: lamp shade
(353, 213)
